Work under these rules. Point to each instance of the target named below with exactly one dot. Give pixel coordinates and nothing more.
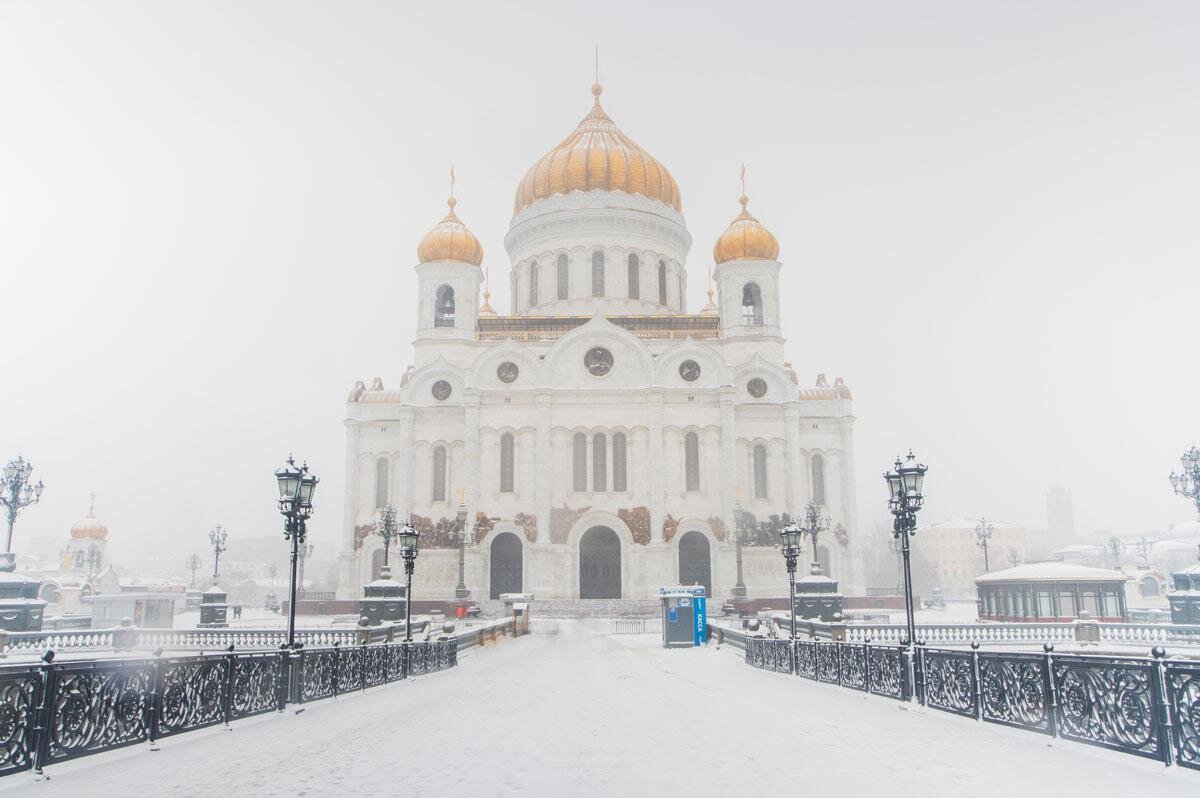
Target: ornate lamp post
(94, 559)
(905, 499)
(460, 529)
(791, 535)
(739, 540)
(1116, 547)
(1187, 484)
(1144, 546)
(217, 537)
(407, 538)
(305, 552)
(816, 522)
(385, 528)
(296, 488)
(16, 493)
(193, 565)
(983, 533)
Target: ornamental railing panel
(771, 654)
(1108, 702)
(350, 668)
(887, 674)
(318, 673)
(949, 680)
(97, 706)
(806, 658)
(1183, 694)
(20, 695)
(191, 693)
(827, 662)
(1015, 691)
(256, 684)
(852, 665)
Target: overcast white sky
(209, 215)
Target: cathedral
(599, 440)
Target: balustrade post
(977, 682)
(227, 696)
(906, 672)
(291, 670)
(919, 671)
(1158, 690)
(362, 666)
(867, 662)
(43, 723)
(337, 666)
(1051, 687)
(153, 705)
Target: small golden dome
(88, 527)
(450, 240)
(597, 155)
(745, 239)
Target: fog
(209, 214)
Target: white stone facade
(526, 524)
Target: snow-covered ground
(579, 713)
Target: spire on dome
(710, 308)
(450, 240)
(486, 308)
(746, 238)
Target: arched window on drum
(818, 479)
(563, 277)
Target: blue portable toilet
(684, 616)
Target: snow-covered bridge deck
(585, 714)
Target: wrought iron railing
(1146, 706)
(58, 711)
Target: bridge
(580, 710)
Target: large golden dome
(745, 239)
(597, 155)
(89, 527)
(450, 240)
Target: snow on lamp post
(1187, 483)
(296, 489)
(816, 522)
(983, 533)
(407, 539)
(385, 528)
(217, 537)
(905, 483)
(460, 530)
(16, 493)
(193, 565)
(791, 535)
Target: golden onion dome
(745, 239)
(597, 155)
(89, 527)
(450, 240)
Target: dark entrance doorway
(506, 564)
(695, 565)
(599, 564)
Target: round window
(598, 361)
(507, 371)
(689, 370)
(757, 387)
(441, 390)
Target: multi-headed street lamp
(386, 529)
(296, 488)
(1116, 547)
(95, 558)
(217, 537)
(740, 533)
(1187, 484)
(983, 533)
(16, 493)
(905, 483)
(791, 535)
(407, 538)
(193, 565)
(460, 531)
(816, 521)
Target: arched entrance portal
(506, 564)
(599, 564)
(695, 565)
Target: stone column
(404, 466)
(654, 460)
(471, 468)
(795, 461)
(543, 465)
(729, 485)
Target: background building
(951, 549)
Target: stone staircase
(582, 608)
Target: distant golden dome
(450, 240)
(745, 239)
(88, 527)
(597, 155)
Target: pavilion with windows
(1045, 592)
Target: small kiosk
(684, 615)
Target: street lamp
(305, 552)
(16, 493)
(296, 488)
(1116, 547)
(407, 538)
(385, 528)
(983, 533)
(816, 522)
(460, 528)
(193, 565)
(94, 559)
(1187, 484)
(791, 535)
(739, 539)
(217, 537)
(905, 499)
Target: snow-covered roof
(970, 524)
(1053, 572)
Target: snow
(1053, 571)
(610, 715)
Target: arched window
(662, 282)
(563, 276)
(438, 475)
(381, 481)
(760, 472)
(818, 479)
(597, 274)
(752, 309)
(506, 463)
(443, 312)
(620, 481)
(691, 461)
(579, 463)
(635, 267)
(533, 284)
(599, 463)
